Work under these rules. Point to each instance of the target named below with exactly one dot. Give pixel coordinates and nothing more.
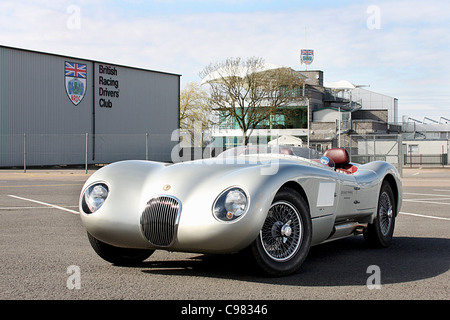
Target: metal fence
(413, 160)
(32, 150)
(361, 148)
(381, 147)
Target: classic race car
(274, 201)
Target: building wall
(428, 147)
(374, 115)
(33, 99)
(120, 106)
(371, 100)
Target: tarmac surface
(45, 253)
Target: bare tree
(195, 112)
(250, 91)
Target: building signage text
(108, 86)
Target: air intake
(159, 220)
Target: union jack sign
(75, 70)
(306, 56)
(75, 81)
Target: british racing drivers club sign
(75, 81)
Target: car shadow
(340, 263)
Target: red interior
(341, 160)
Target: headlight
(230, 205)
(94, 197)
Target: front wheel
(119, 256)
(379, 233)
(284, 240)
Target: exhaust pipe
(347, 229)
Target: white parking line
(426, 194)
(426, 201)
(45, 204)
(25, 208)
(424, 216)
(433, 198)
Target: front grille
(159, 220)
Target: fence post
(400, 154)
(24, 153)
(86, 153)
(374, 149)
(146, 146)
(410, 157)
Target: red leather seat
(341, 160)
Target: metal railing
(412, 160)
(34, 150)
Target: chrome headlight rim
(219, 208)
(90, 208)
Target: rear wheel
(119, 256)
(284, 240)
(380, 232)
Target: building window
(291, 92)
(292, 117)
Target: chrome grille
(159, 220)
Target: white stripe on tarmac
(424, 216)
(45, 204)
(426, 201)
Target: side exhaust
(346, 229)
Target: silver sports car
(274, 201)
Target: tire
(285, 238)
(379, 233)
(119, 256)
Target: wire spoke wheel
(281, 234)
(385, 213)
(285, 238)
(379, 233)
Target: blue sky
(400, 48)
(210, 6)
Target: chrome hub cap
(282, 232)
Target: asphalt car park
(45, 253)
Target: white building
(366, 99)
(376, 101)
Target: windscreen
(250, 150)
